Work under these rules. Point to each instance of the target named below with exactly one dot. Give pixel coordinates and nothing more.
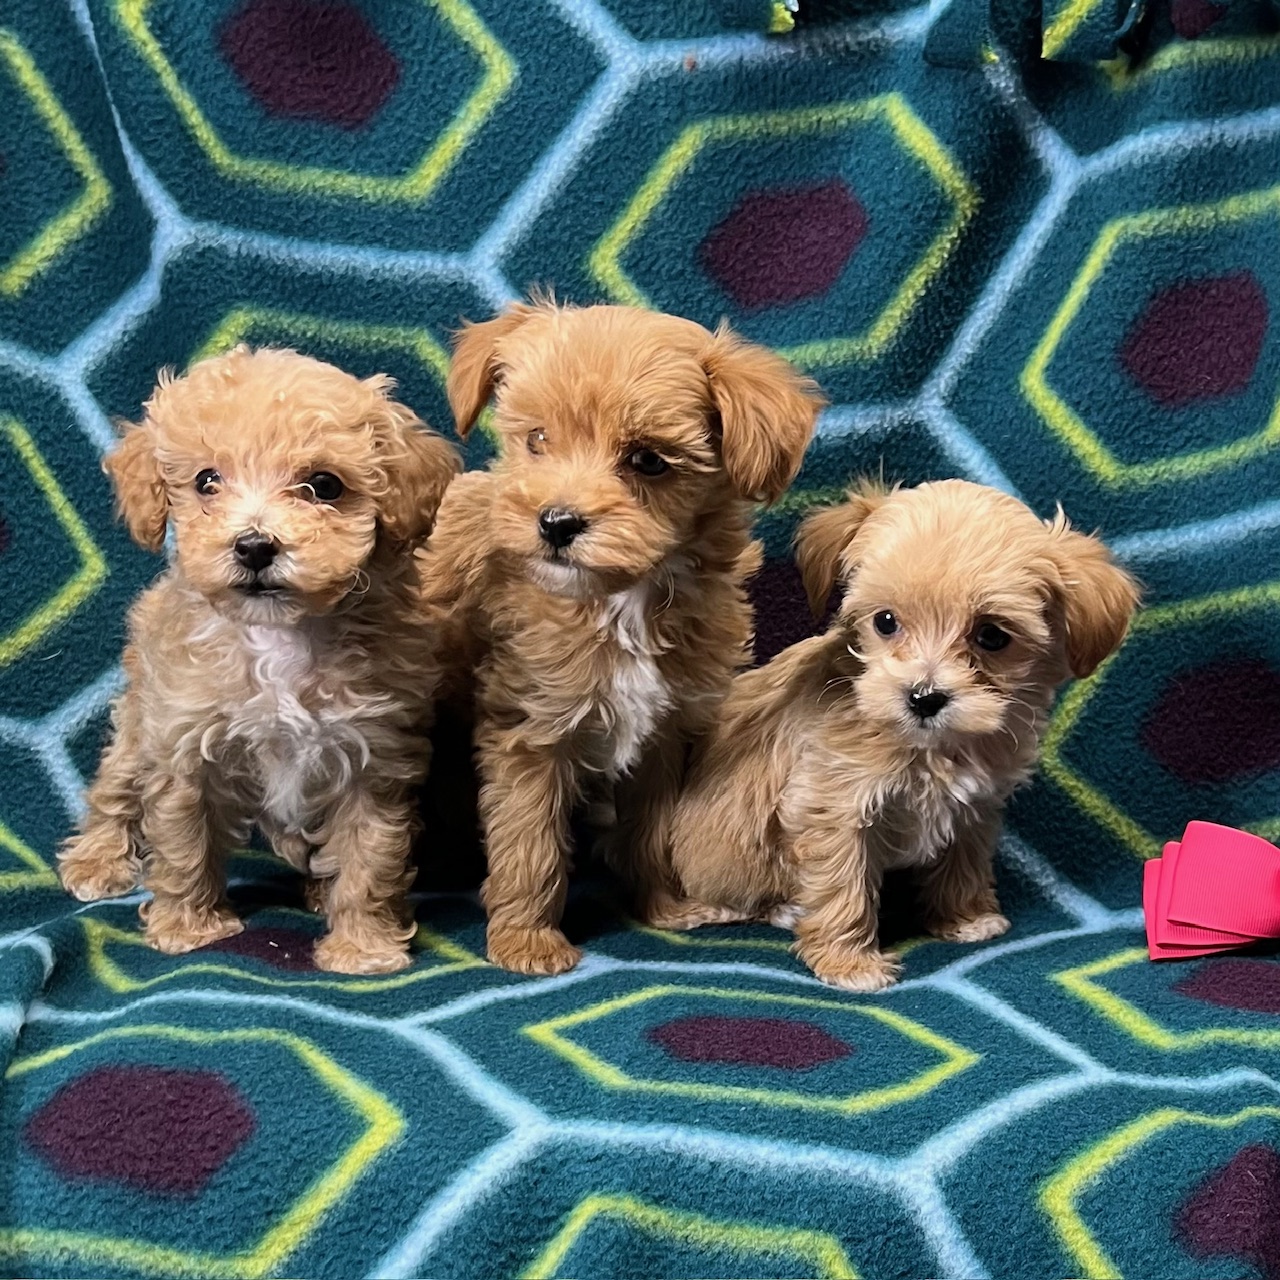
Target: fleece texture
(1036, 249)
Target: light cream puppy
(278, 671)
(895, 739)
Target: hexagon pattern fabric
(1037, 250)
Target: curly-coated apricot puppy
(594, 578)
(278, 670)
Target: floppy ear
(767, 411)
(419, 465)
(140, 493)
(824, 538)
(476, 368)
(1099, 597)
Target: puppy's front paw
(337, 953)
(856, 970)
(92, 869)
(179, 931)
(91, 882)
(977, 929)
(536, 951)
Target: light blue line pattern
(913, 1179)
(479, 1180)
(1162, 544)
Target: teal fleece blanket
(1033, 248)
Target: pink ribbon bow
(1216, 889)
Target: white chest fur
(920, 819)
(303, 740)
(635, 695)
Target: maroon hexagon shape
(785, 244)
(1235, 1212)
(1198, 340)
(1192, 18)
(310, 61)
(287, 949)
(787, 1044)
(1251, 985)
(1217, 722)
(156, 1129)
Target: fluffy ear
(140, 493)
(767, 411)
(419, 467)
(1099, 597)
(476, 366)
(824, 541)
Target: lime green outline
(1088, 797)
(385, 1126)
(1131, 1020)
(99, 936)
(956, 1057)
(1064, 25)
(818, 1248)
(911, 133)
(691, 939)
(1059, 1193)
(93, 567)
(781, 19)
(77, 219)
(1188, 53)
(1066, 424)
(296, 326)
(41, 875)
(417, 185)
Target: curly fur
(818, 777)
(303, 708)
(597, 665)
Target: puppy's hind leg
(296, 850)
(289, 846)
(103, 859)
(642, 852)
(720, 837)
(524, 804)
(958, 890)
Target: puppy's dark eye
(207, 482)
(646, 463)
(991, 638)
(324, 486)
(885, 623)
(536, 441)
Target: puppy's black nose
(926, 703)
(559, 527)
(254, 550)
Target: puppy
(594, 577)
(278, 671)
(895, 739)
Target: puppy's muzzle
(254, 550)
(558, 526)
(926, 703)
